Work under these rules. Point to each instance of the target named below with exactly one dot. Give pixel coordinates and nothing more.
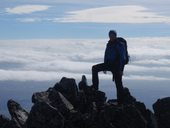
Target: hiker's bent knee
(94, 68)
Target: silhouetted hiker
(114, 61)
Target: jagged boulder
(18, 114)
(144, 112)
(83, 83)
(43, 115)
(162, 112)
(58, 101)
(40, 97)
(147, 114)
(55, 99)
(91, 99)
(127, 97)
(68, 88)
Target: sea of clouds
(28, 66)
(44, 60)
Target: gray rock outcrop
(67, 105)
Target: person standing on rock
(114, 61)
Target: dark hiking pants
(116, 74)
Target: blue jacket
(115, 53)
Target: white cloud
(115, 14)
(29, 20)
(146, 77)
(49, 59)
(135, 68)
(26, 9)
(152, 61)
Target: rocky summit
(68, 105)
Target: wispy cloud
(115, 14)
(29, 19)
(26, 9)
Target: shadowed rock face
(68, 88)
(40, 96)
(162, 112)
(66, 106)
(126, 116)
(43, 115)
(18, 114)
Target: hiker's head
(112, 35)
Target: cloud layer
(115, 14)
(26, 9)
(106, 14)
(42, 60)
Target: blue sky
(46, 19)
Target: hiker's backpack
(124, 43)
